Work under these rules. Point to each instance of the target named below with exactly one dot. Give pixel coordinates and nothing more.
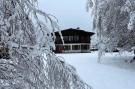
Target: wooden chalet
(75, 40)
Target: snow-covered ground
(112, 73)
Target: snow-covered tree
(27, 32)
(114, 22)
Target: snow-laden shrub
(30, 40)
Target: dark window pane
(76, 47)
(66, 47)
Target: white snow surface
(112, 73)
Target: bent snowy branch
(114, 22)
(31, 63)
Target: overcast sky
(70, 13)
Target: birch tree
(114, 22)
(30, 40)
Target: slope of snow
(112, 73)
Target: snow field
(112, 73)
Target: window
(67, 47)
(76, 47)
(76, 38)
(71, 39)
(65, 38)
(84, 47)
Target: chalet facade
(75, 40)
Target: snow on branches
(30, 41)
(114, 22)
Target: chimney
(78, 28)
